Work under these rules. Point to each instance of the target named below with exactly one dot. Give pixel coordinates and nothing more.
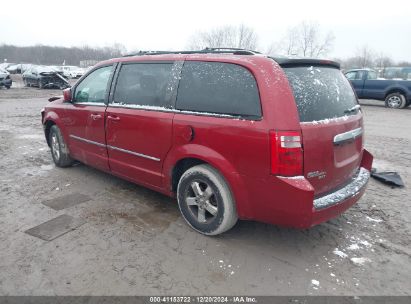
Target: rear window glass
(320, 92)
(217, 87)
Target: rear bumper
(353, 188)
(290, 202)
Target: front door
(139, 121)
(85, 119)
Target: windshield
(320, 92)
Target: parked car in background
(18, 68)
(397, 73)
(5, 80)
(367, 84)
(58, 69)
(229, 133)
(44, 77)
(5, 65)
(71, 71)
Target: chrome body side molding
(114, 148)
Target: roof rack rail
(232, 49)
(207, 50)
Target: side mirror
(67, 95)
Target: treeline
(57, 55)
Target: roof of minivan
(194, 56)
(282, 61)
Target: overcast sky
(384, 26)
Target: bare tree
(404, 63)
(291, 41)
(306, 40)
(42, 54)
(227, 36)
(382, 61)
(365, 57)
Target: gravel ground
(134, 241)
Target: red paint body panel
(320, 154)
(86, 122)
(239, 149)
(147, 132)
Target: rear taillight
(286, 153)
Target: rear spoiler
(290, 62)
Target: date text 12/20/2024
(203, 299)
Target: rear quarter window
(216, 87)
(320, 92)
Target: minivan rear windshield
(321, 92)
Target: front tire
(205, 200)
(395, 101)
(59, 150)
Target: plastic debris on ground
(388, 177)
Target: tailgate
(331, 125)
(332, 152)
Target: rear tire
(395, 101)
(205, 200)
(59, 150)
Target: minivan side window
(92, 89)
(216, 87)
(144, 84)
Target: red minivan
(231, 134)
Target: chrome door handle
(114, 118)
(341, 138)
(95, 116)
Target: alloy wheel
(55, 146)
(394, 101)
(201, 201)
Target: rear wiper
(353, 109)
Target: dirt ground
(134, 241)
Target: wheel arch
(50, 118)
(184, 157)
(396, 90)
(47, 126)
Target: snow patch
(353, 247)
(326, 121)
(315, 283)
(365, 243)
(360, 261)
(373, 220)
(340, 253)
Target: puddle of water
(148, 217)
